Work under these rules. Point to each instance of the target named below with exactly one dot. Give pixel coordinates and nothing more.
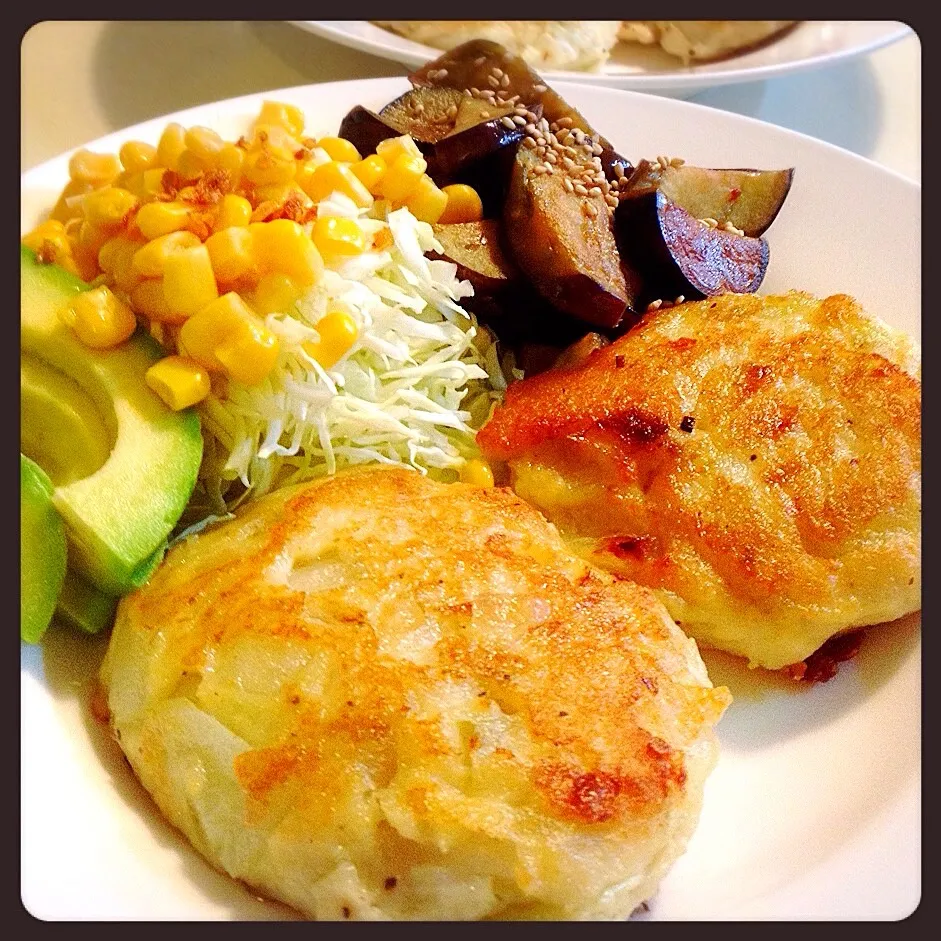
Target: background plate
(813, 811)
(810, 44)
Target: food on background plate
(587, 45)
(754, 460)
(377, 696)
(579, 45)
(703, 40)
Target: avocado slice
(118, 517)
(83, 607)
(42, 551)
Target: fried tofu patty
(375, 696)
(754, 460)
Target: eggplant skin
(570, 257)
(374, 696)
(681, 256)
(755, 460)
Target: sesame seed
(528, 143)
(612, 201)
(452, 111)
(549, 169)
(496, 73)
(475, 92)
(569, 186)
(539, 169)
(619, 171)
(729, 227)
(442, 73)
(485, 114)
(491, 80)
(518, 121)
(581, 190)
(540, 88)
(680, 299)
(594, 191)
(505, 81)
(655, 305)
(589, 210)
(530, 129)
(677, 161)
(480, 61)
(565, 122)
(540, 140)
(551, 157)
(508, 123)
(709, 221)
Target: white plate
(813, 811)
(812, 43)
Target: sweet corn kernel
(188, 280)
(275, 293)
(62, 211)
(233, 210)
(281, 192)
(274, 140)
(226, 335)
(116, 258)
(231, 159)
(394, 147)
(107, 207)
(402, 177)
(337, 177)
(338, 333)
(477, 472)
(179, 381)
(283, 115)
(283, 245)
(153, 182)
(464, 204)
(148, 299)
(339, 149)
(370, 171)
(150, 261)
(338, 238)
(171, 145)
(91, 238)
(136, 156)
(156, 219)
(232, 253)
(204, 142)
(51, 229)
(85, 166)
(263, 168)
(99, 318)
(191, 165)
(83, 260)
(427, 202)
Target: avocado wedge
(118, 516)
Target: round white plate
(810, 44)
(813, 811)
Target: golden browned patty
(376, 696)
(755, 460)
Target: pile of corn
(200, 238)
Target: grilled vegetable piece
(427, 114)
(476, 249)
(474, 64)
(366, 130)
(747, 199)
(481, 63)
(565, 244)
(679, 255)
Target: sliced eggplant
(476, 248)
(680, 255)
(749, 200)
(427, 114)
(486, 65)
(565, 244)
(366, 130)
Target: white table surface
(81, 80)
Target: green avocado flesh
(83, 607)
(42, 552)
(123, 462)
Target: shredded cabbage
(420, 380)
